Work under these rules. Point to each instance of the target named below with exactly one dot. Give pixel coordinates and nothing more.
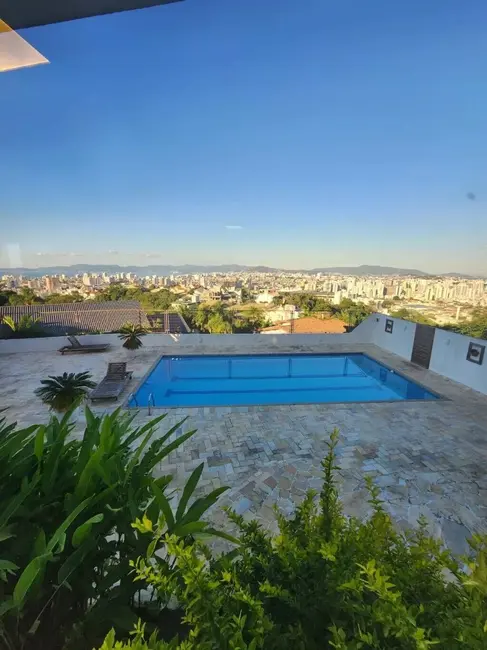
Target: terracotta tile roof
(79, 317)
(309, 325)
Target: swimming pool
(273, 379)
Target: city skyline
(150, 267)
(290, 134)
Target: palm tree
(65, 391)
(131, 335)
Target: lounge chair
(79, 348)
(114, 382)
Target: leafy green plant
(66, 391)
(326, 581)
(131, 335)
(25, 327)
(67, 539)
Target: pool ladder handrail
(132, 397)
(151, 397)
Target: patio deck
(428, 458)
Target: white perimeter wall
(219, 342)
(448, 358)
(400, 341)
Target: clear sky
(293, 133)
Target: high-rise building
(52, 284)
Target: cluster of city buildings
(430, 292)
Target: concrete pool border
(132, 395)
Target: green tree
(203, 314)
(476, 327)
(63, 298)
(25, 296)
(255, 317)
(413, 316)
(245, 295)
(217, 324)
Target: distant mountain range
(223, 268)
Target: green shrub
(66, 391)
(325, 581)
(132, 335)
(25, 328)
(66, 533)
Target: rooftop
(308, 325)
(428, 458)
(78, 317)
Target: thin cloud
(112, 252)
(59, 254)
(234, 227)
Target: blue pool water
(273, 379)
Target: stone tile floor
(428, 458)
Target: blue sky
(294, 133)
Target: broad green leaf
(172, 446)
(189, 488)
(164, 505)
(27, 577)
(86, 475)
(5, 533)
(6, 606)
(200, 506)
(82, 532)
(58, 535)
(39, 544)
(39, 442)
(188, 529)
(213, 532)
(138, 433)
(74, 560)
(163, 481)
(15, 441)
(6, 565)
(135, 457)
(16, 502)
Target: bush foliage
(67, 538)
(325, 581)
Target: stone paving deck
(428, 458)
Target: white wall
(218, 342)
(400, 341)
(449, 358)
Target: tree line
(219, 319)
(157, 300)
(352, 313)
